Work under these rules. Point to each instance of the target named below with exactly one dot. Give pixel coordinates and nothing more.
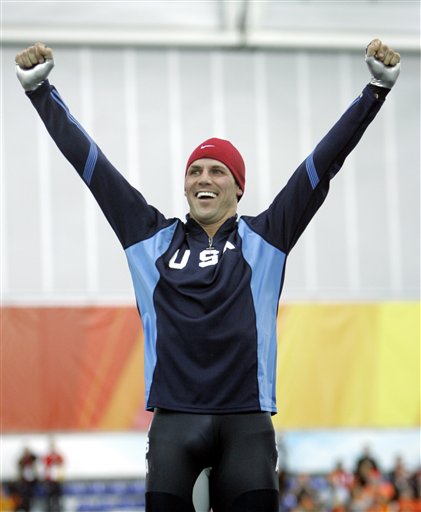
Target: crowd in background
(364, 489)
(38, 475)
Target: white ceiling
(232, 23)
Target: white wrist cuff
(382, 76)
(32, 78)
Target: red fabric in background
(60, 366)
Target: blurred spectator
(381, 491)
(336, 494)
(306, 502)
(360, 500)
(365, 466)
(342, 477)
(415, 482)
(53, 476)
(27, 480)
(400, 479)
(305, 493)
(283, 482)
(303, 485)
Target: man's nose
(205, 177)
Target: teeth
(205, 194)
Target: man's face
(211, 191)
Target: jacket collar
(195, 228)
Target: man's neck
(211, 229)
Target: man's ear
(239, 192)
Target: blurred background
(150, 80)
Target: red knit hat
(223, 151)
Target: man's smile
(206, 194)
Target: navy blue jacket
(208, 308)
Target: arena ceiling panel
(242, 23)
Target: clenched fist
(383, 63)
(33, 65)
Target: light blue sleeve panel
(142, 258)
(267, 267)
(91, 160)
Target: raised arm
(125, 208)
(298, 201)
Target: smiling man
(214, 183)
(207, 290)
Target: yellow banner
(346, 365)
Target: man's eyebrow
(215, 166)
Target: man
(207, 291)
(28, 478)
(53, 463)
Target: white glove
(33, 65)
(383, 64)
(32, 78)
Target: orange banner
(72, 368)
(339, 365)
